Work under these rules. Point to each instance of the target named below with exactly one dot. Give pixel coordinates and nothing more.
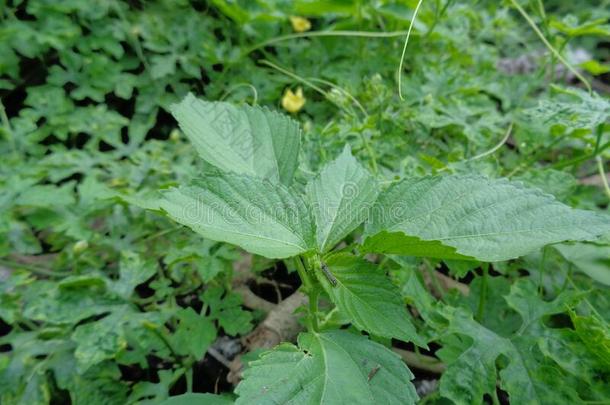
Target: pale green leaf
(261, 217)
(341, 197)
(368, 297)
(590, 258)
(328, 368)
(241, 139)
(490, 220)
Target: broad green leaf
(341, 197)
(261, 217)
(489, 220)
(474, 373)
(524, 372)
(368, 297)
(327, 368)
(241, 139)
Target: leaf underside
(488, 220)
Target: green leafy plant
(423, 225)
(249, 198)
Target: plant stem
(363, 34)
(404, 48)
(34, 269)
(602, 173)
(579, 159)
(312, 293)
(550, 47)
(542, 269)
(483, 294)
(495, 148)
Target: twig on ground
(280, 325)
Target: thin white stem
(404, 49)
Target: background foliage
(102, 301)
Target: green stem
(495, 148)
(598, 137)
(312, 292)
(34, 269)
(602, 173)
(313, 309)
(483, 295)
(189, 379)
(542, 269)
(581, 158)
(310, 34)
(404, 49)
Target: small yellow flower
(293, 102)
(300, 24)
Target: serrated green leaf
(368, 297)
(595, 335)
(195, 333)
(490, 220)
(474, 372)
(328, 368)
(133, 270)
(227, 311)
(263, 218)
(241, 139)
(341, 197)
(566, 348)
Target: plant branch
(550, 47)
(311, 34)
